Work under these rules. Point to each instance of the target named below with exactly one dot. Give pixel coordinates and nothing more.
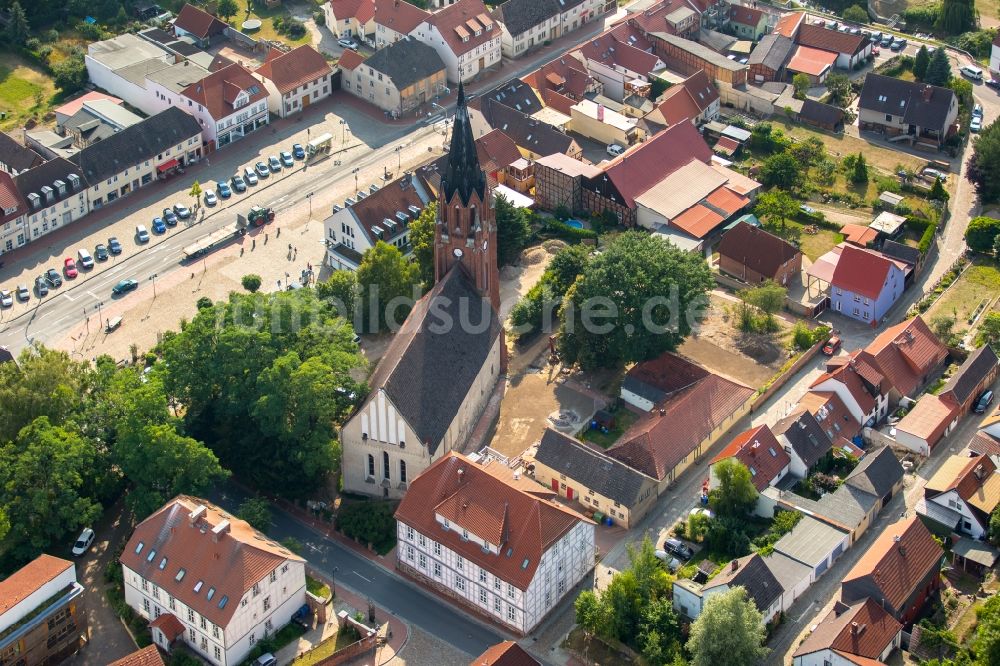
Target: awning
(166, 166)
(976, 551)
(516, 199)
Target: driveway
(108, 639)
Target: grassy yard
(839, 145)
(624, 418)
(25, 91)
(267, 30)
(981, 280)
(812, 245)
(317, 587)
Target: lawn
(317, 587)
(25, 91)
(981, 280)
(839, 145)
(624, 418)
(812, 245)
(267, 30)
(324, 649)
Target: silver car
(6, 299)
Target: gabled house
(803, 439)
(920, 113)
(788, 24)
(768, 59)
(899, 571)
(976, 374)
(695, 99)
(199, 25)
(395, 19)
(849, 49)
(229, 103)
(649, 383)
(815, 544)
(619, 67)
(533, 137)
(861, 388)
(559, 181)
(961, 495)
(908, 355)
(865, 284)
(351, 19)
(527, 24)
(860, 634)
(749, 572)
(831, 414)
(760, 452)
(515, 93)
(492, 543)
(14, 157)
(12, 210)
(507, 653)
(398, 78)
(682, 18)
(209, 580)
(466, 38)
(55, 192)
(754, 255)
(816, 64)
(295, 79)
(566, 77)
(747, 22)
(930, 420)
(147, 656)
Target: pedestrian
(279, 284)
(241, 251)
(296, 252)
(253, 244)
(289, 247)
(278, 235)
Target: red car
(69, 268)
(831, 346)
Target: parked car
(678, 548)
(993, 83)
(124, 287)
(101, 252)
(53, 278)
(141, 233)
(700, 510)
(239, 184)
(896, 46)
(41, 288)
(672, 563)
(615, 149)
(86, 261)
(876, 51)
(182, 211)
(266, 659)
(169, 217)
(6, 299)
(976, 124)
(933, 174)
(832, 345)
(977, 110)
(274, 163)
(210, 198)
(286, 159)
(69, 268)
(984, 401)
(807, 209)
(114, 246)
(970, 72)
(298, 151)
(886, 40)
(262, 170)
(158, 226)
(83, 542)
(347, 43)
(225, 191)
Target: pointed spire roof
(463, 173)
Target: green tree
(920, 62)
(989, 331)
(729, 630)
(859, 171)
(18, 29)
(251, 282)
(766, 299)
(943, 327)
(70, 74)
(43, 382)
(568, 264)
(512, 231)
(986, 643)
(592, 614)
(46, 487)
(981, 233)
(839, 87)
(634, 301)
(984, 165)
(801, 83)
(341, 289)
(938, 193)
(856, 14)
(227, 9)
(776, 206)
(387, 282)
(422, 240)
(994, 528)
(956, 17)
(659, 629)
(257, 512)
(195, 192)
(735, 494)
(938, 69)
(780, 170)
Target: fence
(807, 356)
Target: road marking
(367, 580)
(68, 297)
(805, 612)
(92, 294)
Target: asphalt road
(363, 577)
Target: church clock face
(457, 252)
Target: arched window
(402, 471)
(385, 464)
(371, 465)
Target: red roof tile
(558, 101)
(898, 560)
(726, 200)
(566, 75)
(628, 32)
(756, 249)
(814, 62)
(10, 198)
(459, 24)
(760, 451)
(69, 108)
(929, 418)
(697, 221)
(858, 234)
(25, 581)
(831, 413)
(296, 68)
(198, 22)
(350, 59)
(830, 40)
(667, 373)
(863, 629)
(861, 272)
(169, 625)
(675, 106)
(611, 52)
(217, 91)
(147, 656)
(507, 653)
(490, 506)
(788, 24)
(360, 10)
(849, 377)
(496, 150)
(745, 15)
(985, 444)
(400, 16)
(654, 19)
(905, 354)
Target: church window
(371, 465)
(402, 471)
(385, 464)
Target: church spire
(463, 173)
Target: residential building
(862, 390)
(199, 25)
(815, 544)
(674, 17)
(849, 49)
(398, 78)
(603, 125)
(753, 255)
(229, 103)
(976, 374)
(581, 472)
(865, 284)
(533, 137)
(13, 208)
(760, 452)
(210, 581)
(927, 423)
(995, 56)
(43, 617)
(899, 571)
(788, 24)
(687, 57)
(383, 215)
(747, 22)
(832, 415)
(920, 113)
(95, 121)
(139, 155)
(70, 108)
(515, 93)
(649, 383)
(620, 67)
(563, 82)
(695, 100)
(395, 20)
(793, 576)
(295, 79)
(119, 66)
(749, 572)
(147, 656)
(55, 192)
(908, 355)
(351, 19)
(491, 542)
(423, 401)
(15, 157)
(803, 439)
(465, 37)
(962, 495)
(527, 24)
(507, 653)
(816, 64)
(559, 181)
(860, 634)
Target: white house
(209, 580)
(55, 192)
(229, 103)
(491, 541)
(395, 20)
(995, 56)
(294, 80)
(465, 37)
(119, 66)
(527, 24)
(866, 402)
(962, 495)
(750, 572)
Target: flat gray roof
(179, 76)
(810, 542)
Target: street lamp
(343, 132)
(333, 582)
(153, 280)
(399, 158)
(355, 172)
(100, 311)
(309, 198)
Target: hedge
(927, 238)
(567, 233)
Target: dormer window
(152, 554)
(138, 548)
(163, 563)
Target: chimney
(735, 565)
(978, 471)
(461, 475)
(197, 513)
(219, 530)
(854, 628)
(926, 93)
(600, 112)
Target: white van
(86, 261)
(971, 72)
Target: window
(496, 604)
(274, 576)
(511, 614)
(437, 569)
(385, 464)
(510, 591)
(437, 548)
(284, 568)
(371, 466)
(145, 605)
(496, 584)
(460, 563)
(218, 653)
(190, 616)
(192, 635)
(422, 540)
(402, 471)
(215, 631)
(171, 603)
(409, 532)
(460, 583)
(267, 603)
(409, 552)
(204, 624)
(482, 596)
(253, 639)
(482, 575)
(145, 585)
(423, 561)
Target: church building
(431, 386)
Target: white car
(84, 542)
(210, 198)
(615, 150)
(6, 299)
(86, 260)
(141, 233)
(976, 124)
(347, 43)
(672, 562)
(250, 176)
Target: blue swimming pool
(576, 224)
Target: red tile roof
(756, 249)
(788, 24)
(350, 59)
(10, 197)
(296, 68)
(507, 653)
(745, 15)
(69, 108)
(760, 451)
(459, 24)
(905, 354)
(400, 16)
(472, 497)
(814, 62)
(147, 656)
(676, 105)
(628, 32)
(849, 377)
(360, 10)
(898, 560)
(227, 565)
(558, 101)
(169, 625)
(496, 150)
(25, 581)
(658, 442)
(645, 166)
(701, 89)
(697, 221)
(929, 418)
(668, 373)
(969, 476)
(198, 22)
(566, 75)
(863, 629)
(859, 234)
(830, 412)
(726, 200)
(861, 272)
(654, 19)
(217, 91)
(609, 51)
(830, 40)
(985, 444)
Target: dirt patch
(515, 281)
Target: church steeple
(463, 173)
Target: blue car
(298, 151)
(158, 226)
(224, 191)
